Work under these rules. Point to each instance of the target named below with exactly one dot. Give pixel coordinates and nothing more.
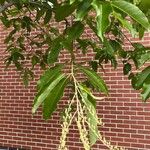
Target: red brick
(126, 118)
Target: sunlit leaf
(95, 79)
(83, 9)
(103, 11)
(44, 94)
(50, 103)
(48, 76)
(133, 11)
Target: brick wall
(126, 119)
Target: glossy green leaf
(50, 103)
(103, 11)
(133, 11)
(48, 76)
(44, 94)
(94, 79)
(83, 9)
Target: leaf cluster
(33, 39)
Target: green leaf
(48, 76)
(72, 1)
(83, 9)
(103, 11)
(95, 79)
(48, 16)
(27, 74)
(10, 36)
(140, 78)
(83, 44)
(50, 103)
(25, 78)
(5, 21)
(35, 60)
(26, 23)
(68, 44)
(127, 68)
(18, 65)
(144, 5)
(8, 61)
(140, 55)
(125, 23)
(114, 62)
(75, 31)
(142, 81)
(141, 32)
(108, 53)
(55, 50)
(94, 65)
(146, 89)
(109, 47)
(144, 58)
(64, 11)
(138, 46)
(45, 93)
(39, 14)
(91, 24)
(133, 11)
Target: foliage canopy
(104, 18)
